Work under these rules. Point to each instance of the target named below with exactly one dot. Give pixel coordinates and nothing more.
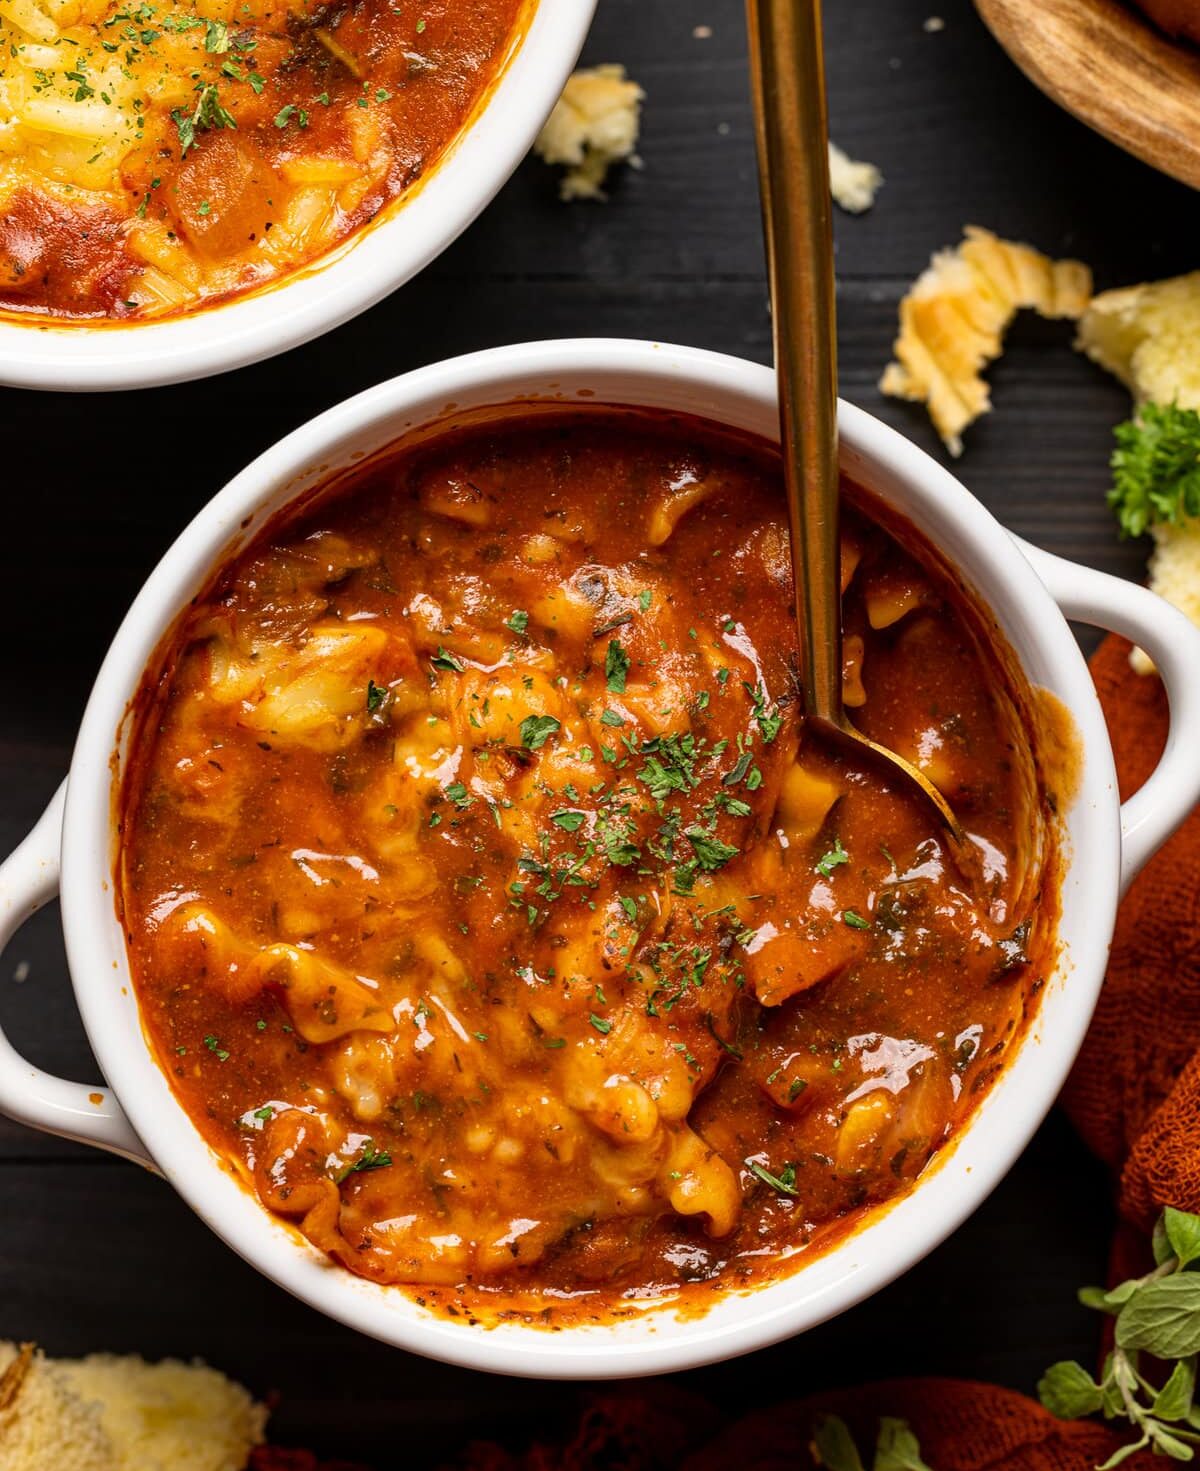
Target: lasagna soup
(491, 912)
(157, 155)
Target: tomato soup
(494, 915)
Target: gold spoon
(788, 73)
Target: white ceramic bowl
(136, 1114)
(352, 277)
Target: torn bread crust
(953, 320)
(13, 1378)
(1146, 336)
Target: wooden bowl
(1107, 63)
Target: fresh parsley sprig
(1156, 1315)
(1156, 468)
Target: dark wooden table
(95, 1253)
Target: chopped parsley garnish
(264, 1113)
(457, 793)
(214, 1046)
(610, 717)
(536, 730)
(710, 852)
(376, 695)
(784, 1183)
(208, 113)
(616, 667)
(216, 37)
(836, 855)
(568, 819)
(600, 1023)
(855, 920)
(644, 598)
(370, 1159)
(443, 660)
(519, 621)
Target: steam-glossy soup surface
(491, 911)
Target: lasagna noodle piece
(1146, 335)
(595, 124)
(953, 320)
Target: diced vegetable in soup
(159, 155)
(491, 910)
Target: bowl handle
(28, 878)
(1157, 808)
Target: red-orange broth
(491, 912)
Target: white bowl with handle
(409, 233)
(1031, 594)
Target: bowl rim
(354, 275)
(730, 391)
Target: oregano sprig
(896, 1447)
(1157, 1315)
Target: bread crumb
(595, 123)
(1147, 336)
(852, 184)
(43, 1425)
(105, 1413)
(953, 320)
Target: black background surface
(97, 1254)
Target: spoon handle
(788, 73)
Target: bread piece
(595, 123)
(44, 1426)
(168, 1416)
(105, 1413)
(1149, 337)
(953, 320)
(852, 184)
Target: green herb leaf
(1163, 1317)
(897, 1448)
(519, 621)
(1183, 1233)
(784, 1183)
(616, 667)
(214, 1046)
(710, 852)
(835, 1445)
(457, 793)
(443, 660)
(370, 1158)
(568, 819)
(1156, 468)
(855, 920)
(610, 717)
(602, 1025)
(376, 695)
(836, 855)
(536, 730)
(1174, 1399)
(1068, 1391)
